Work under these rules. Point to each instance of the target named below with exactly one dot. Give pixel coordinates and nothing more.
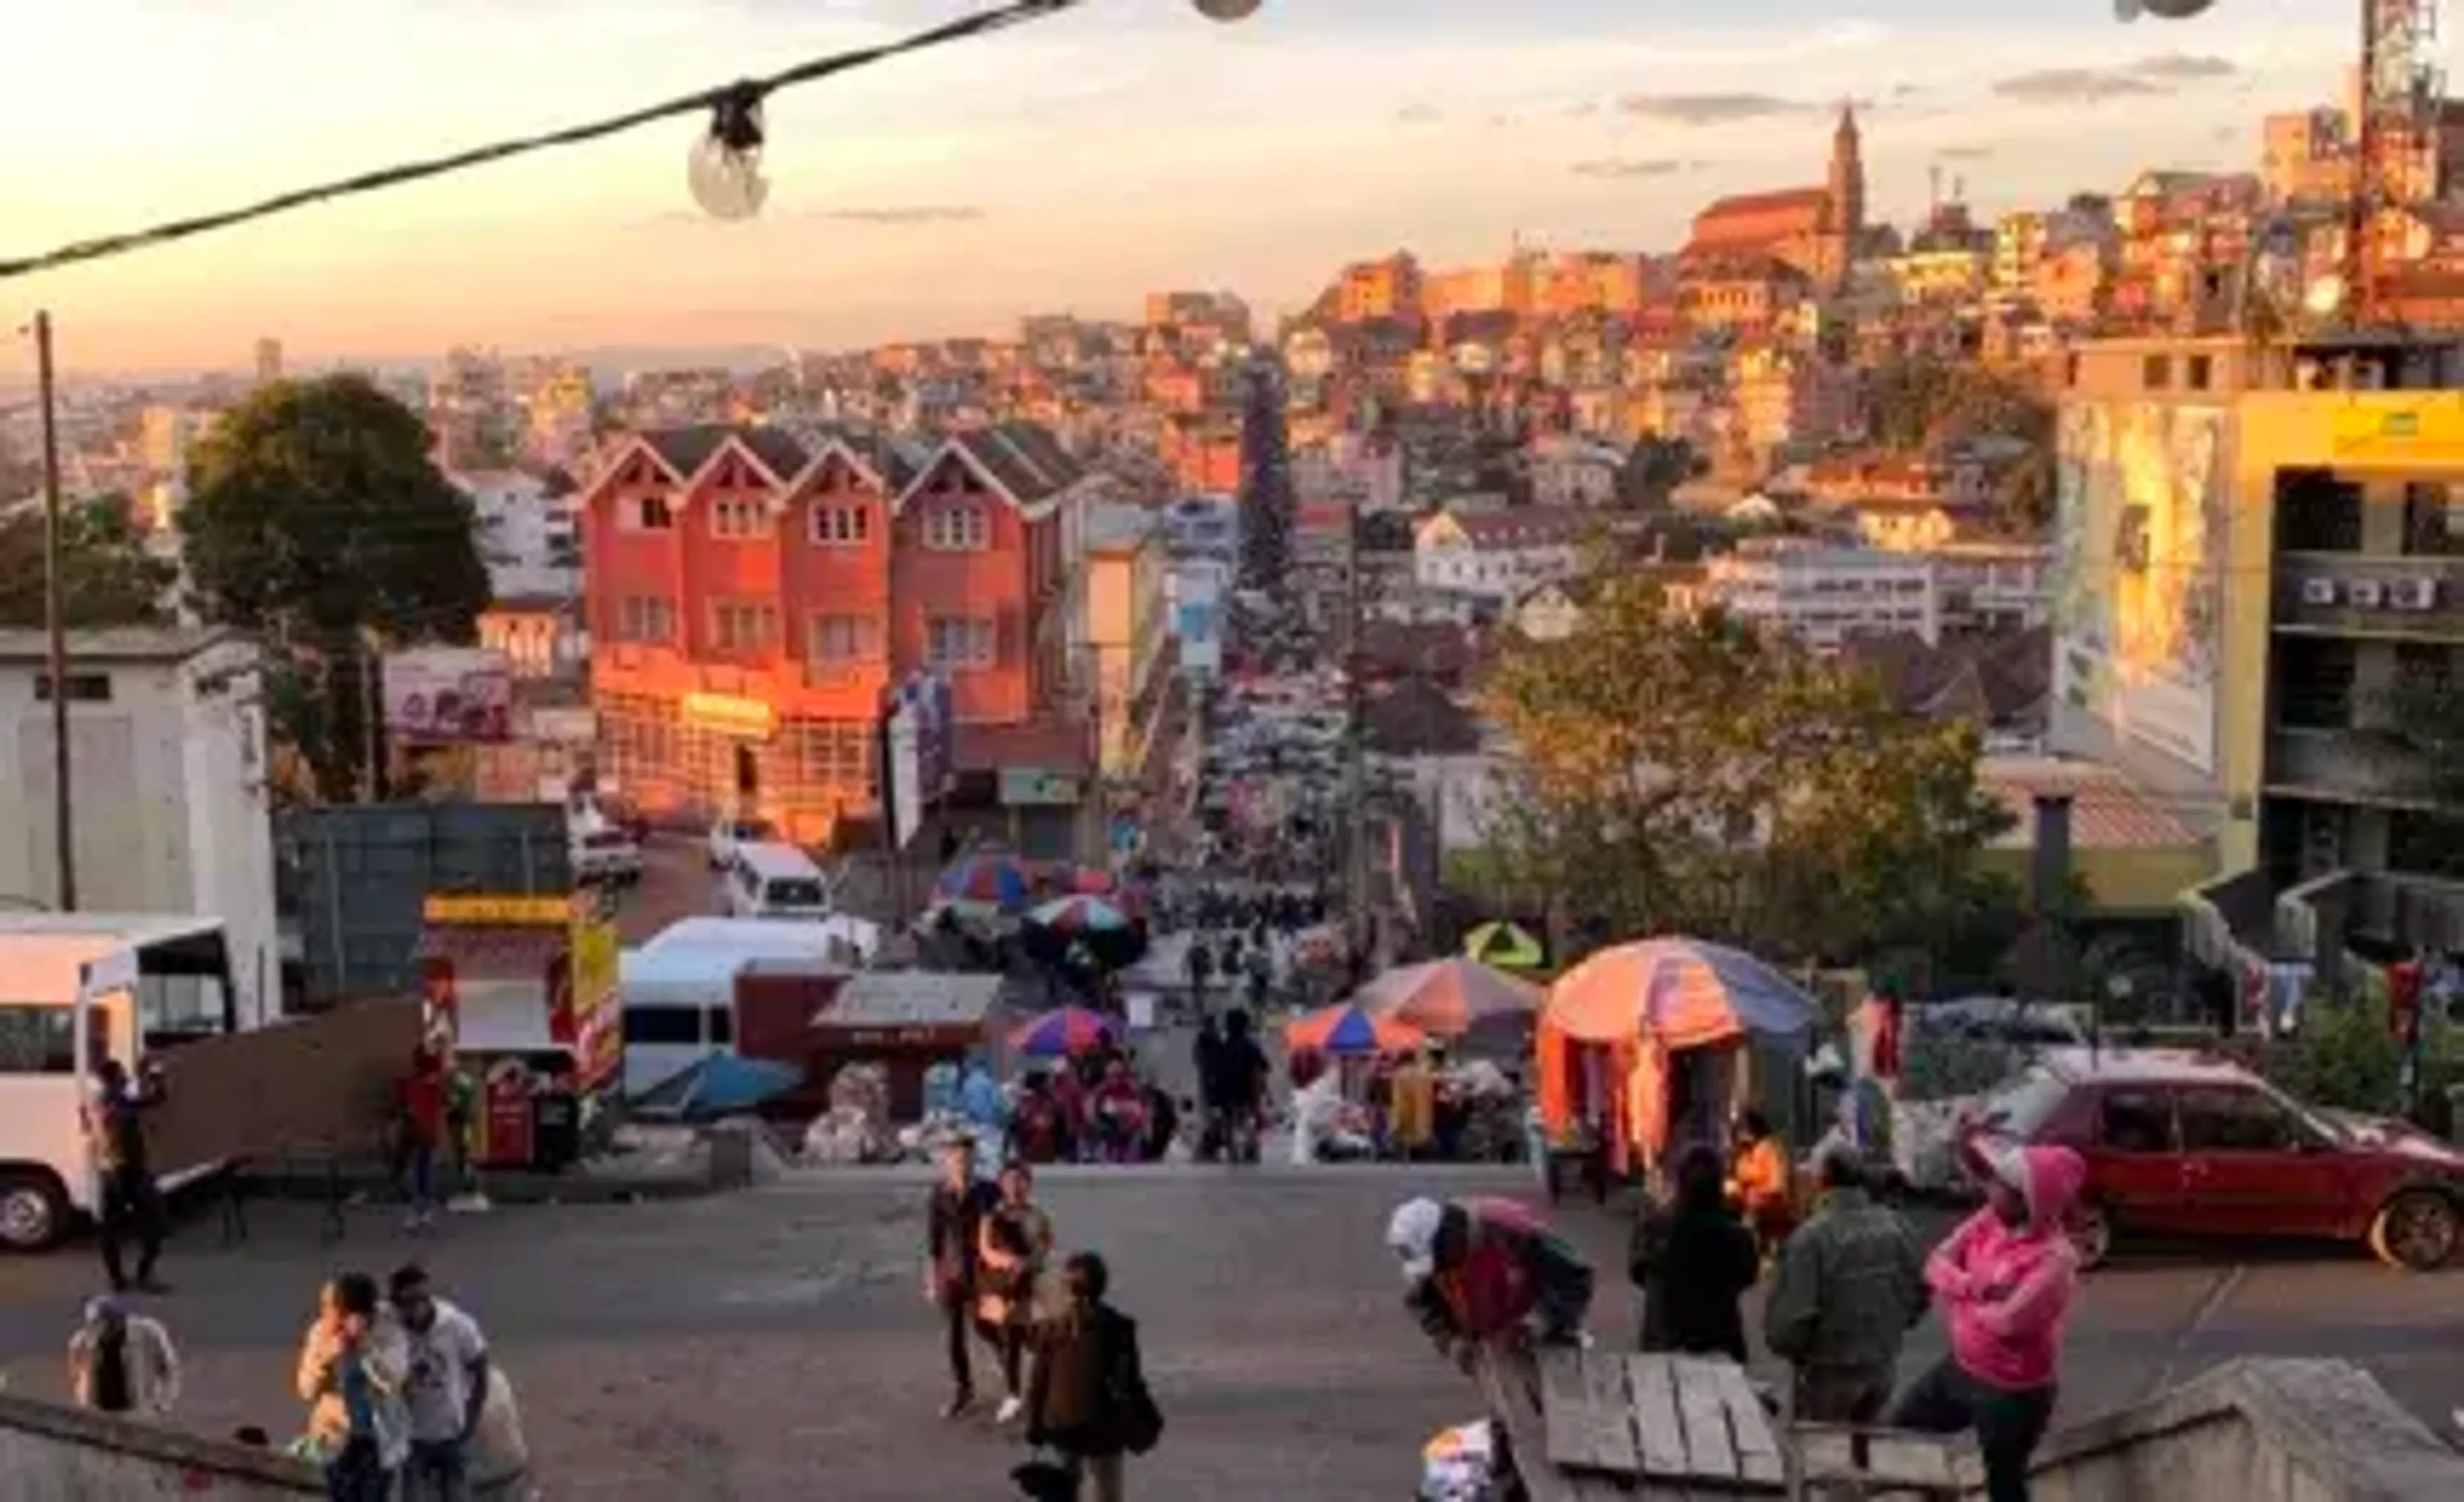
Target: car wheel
(2417, 1232)
(33, 1210)
(2091, 1234)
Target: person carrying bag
(1087, 1400)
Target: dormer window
(848, 525)
(957, 529)
(738, 516)
(647, 513)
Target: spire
(1847, 131)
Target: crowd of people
(1844, 1290)
(1071, 1376)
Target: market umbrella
(1681, 992)
(1077, 915)
(989, 879)
(1508, 947)
(1448, 998)
(1059, 1032)
(722, 1085)
(1089, 931)
(1350, 1030)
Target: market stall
(905, 1021)
(1469, 1006)
(1662, 1040)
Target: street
(775, 1339)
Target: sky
(1074, 164)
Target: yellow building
(2254, 548)
(1122, 632)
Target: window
(2229, 1120)
(84, 688)
(842, 526)
(2135, 1121)
(722, 1023)
(953, 641)
(2156, 372)
(739, 517)
(957, 529)
(645, 618)
(664, 1026)
(648, 514)
(35, 1039)
(2027, 1105)
(2200, 372)
(843, 638)
(738, 625)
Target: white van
(768, 879)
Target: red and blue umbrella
(1001, 882)
(1060, 1032)
(1350, 1030)
(1077, 915)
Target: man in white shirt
(447, 1388)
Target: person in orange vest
(1758, 1180)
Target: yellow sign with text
(598, 1029)
(511, 912)
(729, 716)
(2411, 435)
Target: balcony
(2352, 594)
(2343, 766)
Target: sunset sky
(1073, 164)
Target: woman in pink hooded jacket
(2005, 1279)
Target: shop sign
(599, 1042)
(895, 1037)
(511, 911)
(1033, 788)
(2417, 434)
(730, 716)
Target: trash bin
(556, 1130)
(731, 1155)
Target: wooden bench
(1594, 1425)
(1842, 1463)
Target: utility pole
(55, 621)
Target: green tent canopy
(1507, 945)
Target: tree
(1921, 402)
(1266, 504)
(1653, 471)
(1676, 773)
(316, 520)
(107, 576)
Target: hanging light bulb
(725, 168)
(1227, 9)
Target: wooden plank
(1652, 1395)
(1710, 1455)
(1611, 1402)
(1749, 1429)
(1892, 1457)
(1567, 1414)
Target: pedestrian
(424, 1091)
(121, 1362)
(2006, 1279)
(1200, 963)
(129, 1201)
(953, 1224)
(1758, 1180)
(1011, 1244)
(1693, 1259)
(1480, 1271)
(1850, 1286)
(352, 1370)
(446, 1390)
(1241, 1088)
(1087, 1398)
(1207, 1058)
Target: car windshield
(795, 893)
(2024, 1106)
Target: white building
(1570, 473)
(526, 533)
(1995, 586)
(1499, 555)
(1352, 469)
(168, 787)
(1823, 592)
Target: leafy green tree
(107, 576)
(1653, 471)
(1676, 773)
(1921, 402)
(317, 518)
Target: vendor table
(1588, 1425)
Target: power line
(724, 97)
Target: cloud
(1637, 166)
(2074, 86)
(1708, 109)
(1419, 115)
(1975, 153)
(2179, 66)
(1907, 91)
(921, 213)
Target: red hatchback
(2181, 1145)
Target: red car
(2181, 1145)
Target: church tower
(1844, 199)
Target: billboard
(435, 694)
(1198, 617)
(2143, 503)
(917, 754)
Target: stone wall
(2255, 1431)
(48, 1453)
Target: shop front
(703, 754)
(520, 992)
